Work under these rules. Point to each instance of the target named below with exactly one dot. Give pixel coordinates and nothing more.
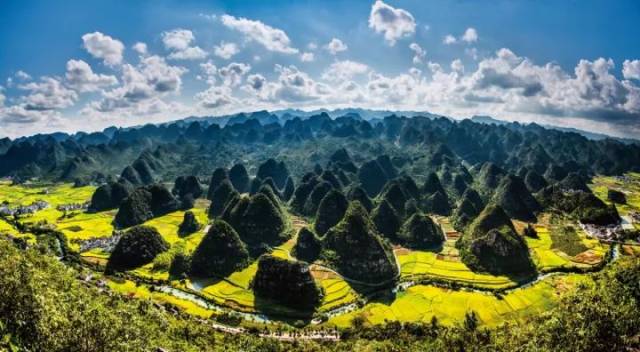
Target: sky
(85, 65)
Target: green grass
(565, 238)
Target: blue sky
(71, 65)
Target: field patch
(423, 302)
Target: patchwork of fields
(419, 302)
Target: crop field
(418, 265)
(53, 194)
(629, 184)
(580, 252)
(421, 303)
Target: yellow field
(418, 265)
(631, 188)
(129, 288)
(53, 194)
(548, 259)
(421, 303)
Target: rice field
(629, 185)
(421, 303)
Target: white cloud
(233, 73)
(81, 77)
(631, 69)
(142, 87)
(335, 46)
(104, 47)
(394, 23)
(472, 53)
(419, 53)
(457, 66)
(449, 39)
(307, 57)
(470, 35)
(48, 94)
(312, 46)
(256, 82)
(140, 48)
(179, 41)
(344, 70)
(226, 50)
(215, 97)
(23, 76)
(210, 72)
(273, 39)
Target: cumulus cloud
(81, 77)
(151, 79)
(418, 53)
(103, 47)
(179, 41)
(470, 35)
(344, 70)
(233, 73)
(226, 50)
(335, 46)
(256, 82)
(631, 69)
(48, 94)
(392, 22)
(273, 39)
(140, 48)
(449, 39)
(23, 76)
(307, 57)
(215, 97)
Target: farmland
(416, 303)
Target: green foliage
(144, 204)
(514, 198)
(239, 177)
(189, 224)
(358, 194)
(373, 260)
(287, 282)
(138, 246)
(330, 211)
(219, 175)
(420, 232)
(220, 253)
(109, 196)
(221, 197)
(492, 245)
(372, 177)
(307, 246)
(259, 222)
(386, 219)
